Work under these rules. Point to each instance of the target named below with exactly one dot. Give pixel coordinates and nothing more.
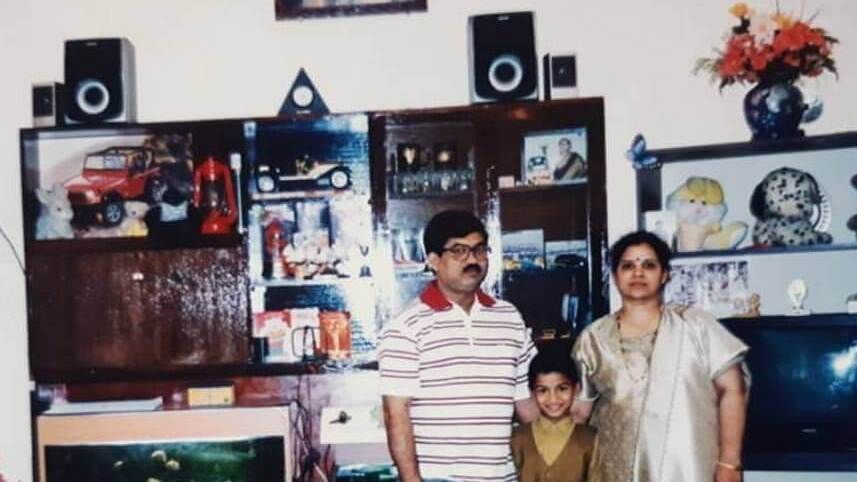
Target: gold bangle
(735, 467)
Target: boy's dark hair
(450, 224)
(661, 249)
(552, 361)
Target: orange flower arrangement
(769, 47)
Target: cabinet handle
(137, 276)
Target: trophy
(797, 293)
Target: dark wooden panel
(196, 301)
(138, 310)
(559, 211)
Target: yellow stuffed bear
(700, 208)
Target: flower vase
(774, 110)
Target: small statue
(797, 293)
(851, 303)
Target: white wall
(200, 59)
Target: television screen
(803, 398)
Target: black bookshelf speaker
(559, 76)
(503, 63)
(99, 81)
(48, 104)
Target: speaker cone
(505, 72)
(92, 96)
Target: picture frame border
(284, 11)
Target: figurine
(797, 293)
(54, 220)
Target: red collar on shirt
(434, 298)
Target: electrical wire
(14, 251)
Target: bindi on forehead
(638, 259)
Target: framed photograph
(286, 9)
(249, 445)
(554, 157)
(720, 287)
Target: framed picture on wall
(286, 9)
(554, 157)
(720, 287)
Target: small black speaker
(48, 104)
(502, 57)
(559, 76)
(99, 81)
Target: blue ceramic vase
(773, 110)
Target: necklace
(650, 327)
(638, 349)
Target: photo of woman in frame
(555, 157)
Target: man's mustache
(473, 267)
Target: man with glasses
(453, 365)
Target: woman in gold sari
(665, 385)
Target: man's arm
(732, 408)
(526, 410)
(400, 437)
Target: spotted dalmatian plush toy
(783, 205)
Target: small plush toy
(783, 204)
(54, 220)
(852, 221)
(133, 225)
(699, 206)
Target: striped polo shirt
(463, 374)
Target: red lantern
(214, 197)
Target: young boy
(553, 448)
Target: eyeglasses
(460, 252)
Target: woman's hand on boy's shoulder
(581, 410)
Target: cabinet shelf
(733, 253)
(811, 320)
(546, 187)
(104, 245)
(293, 283)
(430, 195)
(202, 372)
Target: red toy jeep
(109, 178)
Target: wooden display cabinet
(138, 267)
(485, 173)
